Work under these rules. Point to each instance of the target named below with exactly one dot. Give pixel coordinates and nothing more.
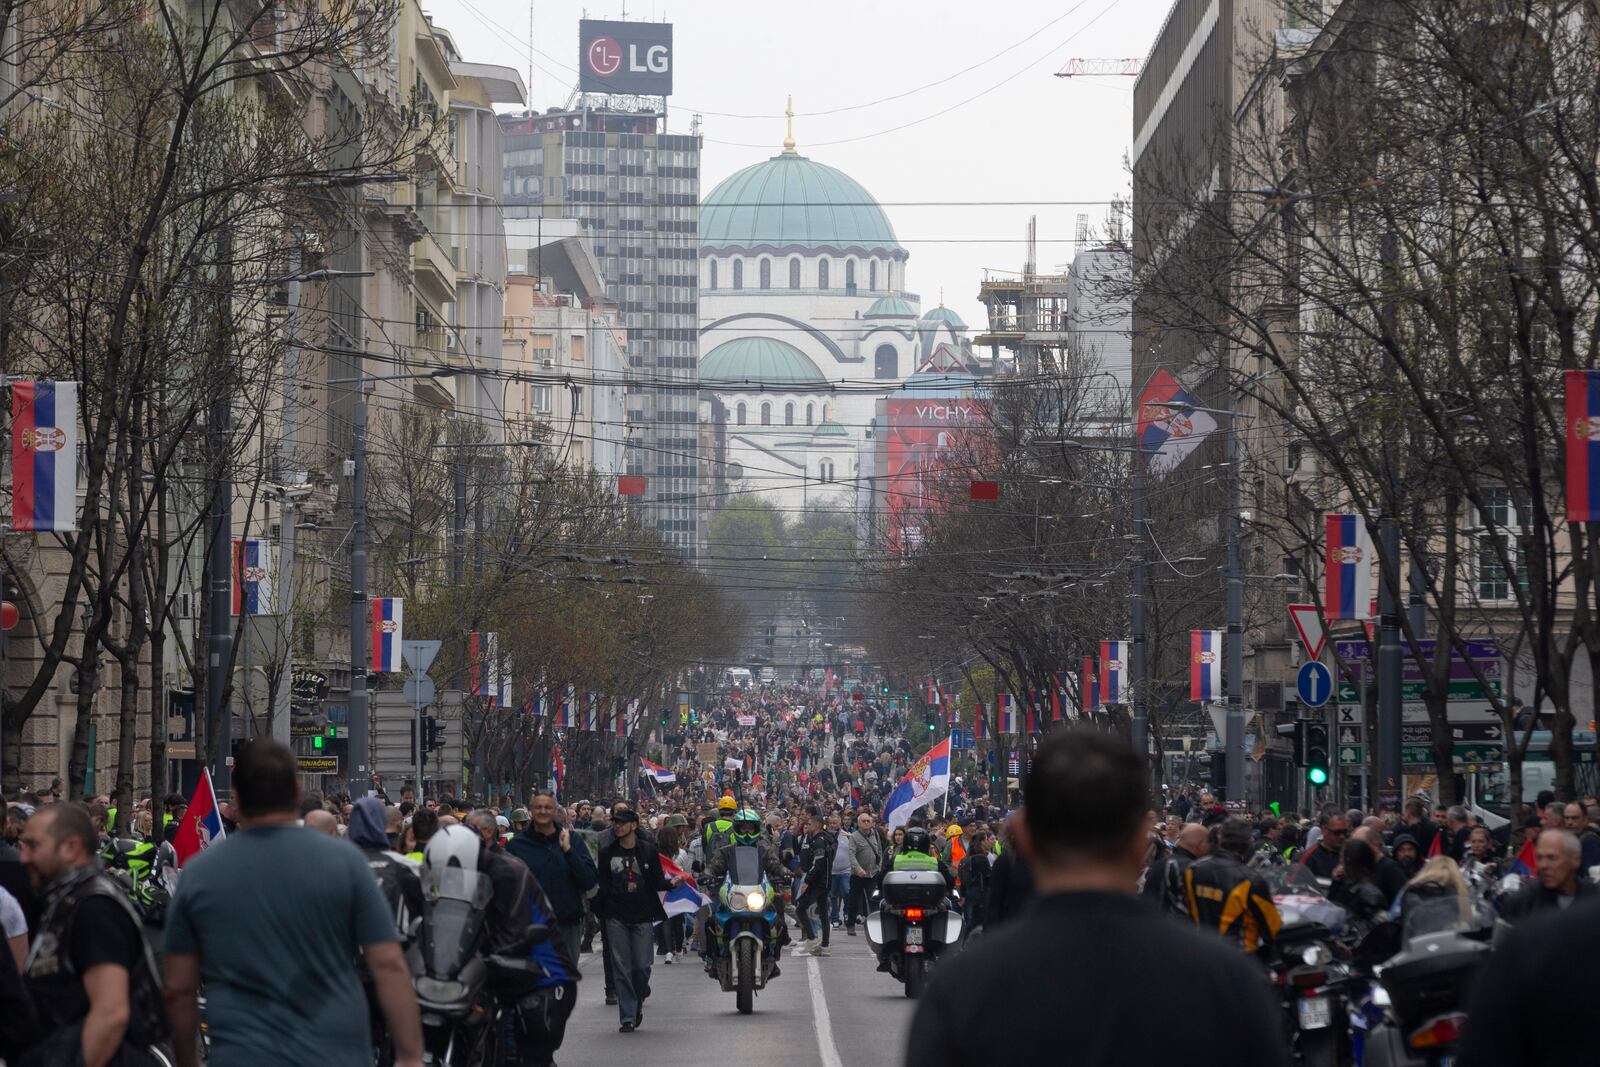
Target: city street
(836, 1011)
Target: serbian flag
(1523, 862)
(1583, 445)
(388, 629)
(1169, 426)
(855, 797)
(1030, 715)
(564, 709)
(44, 456)
(685, 899)
(1347, 583)
(483, 655)
(1008, 714)
(252, 577)
(1433, 849)
(1091, 686)
(1205, 665)
(657, 773)
(536, 703)
(619, 720)
(587, 718)
(980, 720)
(1058, 695)
(201, 825)
(933, 694)
(1114, 671)
(558, 770)
(952, 700)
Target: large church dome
(790, 202)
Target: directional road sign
(1314, 684)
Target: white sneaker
(668, 959)
(821, 950)
(802, 948)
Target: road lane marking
(819, 1014)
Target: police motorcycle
(912, 926)
(452, 975)
(1423, 988)
(745, 944)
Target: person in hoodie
(562, 865)
(397, 880)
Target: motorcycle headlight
(755, 900)
(1314, 956)
(437, 991)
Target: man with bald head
(1163, 883)
(1559, 881)
(322, 821)
(1387, 873)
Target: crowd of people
(114, 952)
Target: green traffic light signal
(1317, 775)
(316, 742)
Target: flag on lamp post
(1583, 445)
(44, 456)
(1347, 571)
(1091, 686)
(483, 657)
(388, 630)
(1114, 672)
(1008, 714)
(252, 577)
(1205, 665)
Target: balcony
(434, 271)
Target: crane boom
(1101, 68)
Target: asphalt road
(836, 1011)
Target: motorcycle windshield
(1437, 915)
(746, 866)
(456, 883)
(450, 933)
(1296, 878)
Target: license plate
(1316, 1013)
(913, 935)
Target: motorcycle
(461, 1018)
(747, 929)
(1423, 989)
(1308, 969)
(912, 926)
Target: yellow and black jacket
(1223, 894)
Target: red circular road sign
(605, 56)
(8, 615)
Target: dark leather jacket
(1222, 894)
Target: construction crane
(1101, 68)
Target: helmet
(450, 867)
(953, 830)
(746, 827)
(502, 822)
(727, 803)
(916, 840)
(126, 854)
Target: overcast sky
(1005, 132)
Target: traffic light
(317, 742)
(433, 733)
(1316, 753)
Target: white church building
(805, 325)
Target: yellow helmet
(727, 804)
(953, 830)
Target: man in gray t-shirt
(271, 919)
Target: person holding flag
(926, 781)
(1557, 882)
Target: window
(872, 275)
(713, 274)
(1497, 544)
(540, 399)
(738, 414)
(788, 413)
(794, 272)
(766, 413)
(822, 274)
(886, 362)
(808, 414)
(577, 400)
(738, 274)
(766, 273)
(825, 470)
(850, 276)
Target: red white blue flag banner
(1583, 445)
(1114, 672)
(933, 694)
(1091, 687)
(201, 825)
(44, 456)
(1169, 426)
(252, 577)
(388, 630)
(1008, 714)
(564, 715)
(1347, 577)
(1205, 665)
(483, 656)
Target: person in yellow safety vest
(958, 851)
(720, 832)
(916, 854)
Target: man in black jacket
(1163, 883)
(1024, 994)
(815, 853)
(630, 879)
(1225, 895)
(1010, 882)
(562, 865)
(1559, 883)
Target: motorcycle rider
(916, 854)
(542, 996)
(1225, 895)
(746, 832)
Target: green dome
(890, 307)
(829, 428)
(757, 361)
(790, 201)
(944, 314)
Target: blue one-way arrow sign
(1314, 684)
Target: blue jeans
(632, 949)
(837, 892)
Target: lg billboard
(625, 57)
